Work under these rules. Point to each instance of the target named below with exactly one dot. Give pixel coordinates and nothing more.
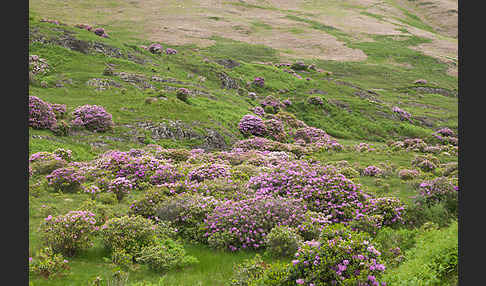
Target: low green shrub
(47, 263)
(282, 241)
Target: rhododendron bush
(92, 117)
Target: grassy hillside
(360, 77)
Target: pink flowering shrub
(67, 180)
(183, 94)
(406, 174)
(311, 135)
(258, 110)
(45, 162)
(445, 136)
(391, 209)
(370, 224)
(41, 114)
(403, 115)
(364, 147)
(187, 212)
(48, 264)
(287, 102)
(69, 233)
(84, 26)
(170, 51)
(155, 48)
(372, 171)
(271, 104)
(165, 173)
(100, 32)
(64, 154)
(92, 117)
(92, 190)
(59, 110)
(38, 65)
(333, 195)
(439, 190)
(426, 163)
(244, 224)
(252, 125)
(275, 129)
(259, 81)
(121, 187)
(208, 172)
(339, 257)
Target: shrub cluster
(41, 114)
(252, 125)
(92, 117)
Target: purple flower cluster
(445, 136)
(372, 171)
(69, 233)
(92, 117)
(330, 194)
(170, 51)
(50, 21)
(287, 102)
(38, 65)
(437, 190)
(259, 81)
(100, 32)
(311, 135)
(392, 209)
(402, 113)
(406, 174)
(165, 173)
(155, 48)
(43, 156)
(209, 172)
(271, 101)
(41, 114)
(275, 129)
(65, 179)
(244, 224)
(258, 110)
(348, 260)
(120, 186)
(59, 109)
(364, 147)
(252, 125)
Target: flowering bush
(282, 241)
(311, 135)
(403, 115)
(439, 190)
(330, 194)
(258, 111)
(244, 224)
(100, 32)
(426, 162)
(170, 51)
(128, 233)
(66, 180)
(165, 173)
(364, 147)
(348, 259)
(120, 187)
(372, 171)
(165, 255)
(59, 110)
(38, 65)
(92, 117)
(92, 190)
(84, 26)
(41, 114)
(408, 174)
(287, 102)
(208, 171)
(259, 81)
(155, 48)
(310, 228)
(367, 223)
(271, 104)
(275, 129)
(69, 233)
(252, 125)
(392, 209)
(186, 212)
(48, 263)
(445, 136)
(63, 154)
